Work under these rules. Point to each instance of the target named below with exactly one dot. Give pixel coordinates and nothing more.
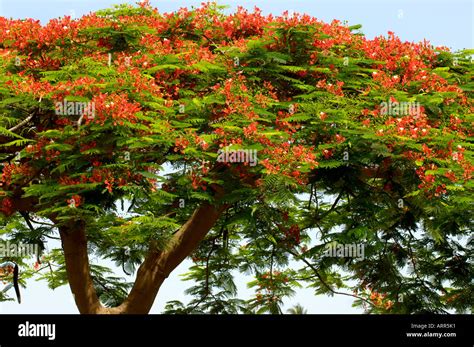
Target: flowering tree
(245, 142)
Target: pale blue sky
(449, 23)
(443, 22)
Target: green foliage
(171, 91)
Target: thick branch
(74, 244)
(158, 265)
(152, 272)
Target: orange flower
(75, 201)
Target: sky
(442, 22)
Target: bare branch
(23, 122)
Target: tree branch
(74, 243)
(159, 264)
(156, 267)
(316, 272)
(23, 122)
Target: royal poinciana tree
(110, 131)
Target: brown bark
(74, 243)
(151, 274)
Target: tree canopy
(113, 126)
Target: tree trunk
(151, 274)
(74, 243)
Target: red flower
(451, 176)
(7, 206)
(75, 201)
(327, 153)
(251, 129)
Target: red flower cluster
(115, 107)
(75, 201)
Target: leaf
(16, 143)
(8, 133)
